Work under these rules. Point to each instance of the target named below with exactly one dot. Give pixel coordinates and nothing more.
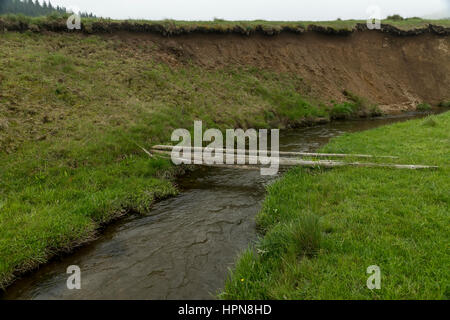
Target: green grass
(423, 107)
(343, 110)
(444, 104)
(355, 107)
(323, 228)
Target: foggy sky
(256, 9)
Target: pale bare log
(282, 153)
(260, 161)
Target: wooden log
(282, 153)
(286, 162)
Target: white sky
(256, 9)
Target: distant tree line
(34, 8)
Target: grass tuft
(356, 106)
(307, 234)
(395, 17)
(444, 104)
(430, 121)
(423, 107)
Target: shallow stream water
(185, 246)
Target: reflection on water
(183, 249)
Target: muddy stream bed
(185, 246)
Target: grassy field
(173, 27)
(323, 228)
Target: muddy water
(183, 249)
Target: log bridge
(243, 158)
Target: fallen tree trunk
(258, 162)
(283, 153)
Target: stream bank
(184, 248)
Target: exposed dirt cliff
(396, 72)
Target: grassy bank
(323, 228)
(74, 111)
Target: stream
(184, 248)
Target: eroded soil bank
(392, 71)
